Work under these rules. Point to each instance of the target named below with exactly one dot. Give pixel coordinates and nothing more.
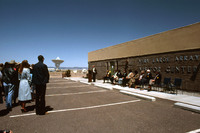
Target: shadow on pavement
(30, 108)
(4, 112)
(48, 108)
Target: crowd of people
(20, 81)
(134, 79)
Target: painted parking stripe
(195, 131)
(78, 93)
(82, 108)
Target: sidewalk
(185, 100)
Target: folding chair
(176, 85)
(156, 86)
(165, 84)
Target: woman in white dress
(24, 86)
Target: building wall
(184, 65)
(185, 38)
(175, 53)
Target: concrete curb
(104, 86)
(188, 107)
(89, 83)
(153, 99)
(66, 78)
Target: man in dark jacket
(40, 78)
(94, 73)
(9, 82)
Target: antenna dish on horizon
(57, 62)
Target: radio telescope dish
(57, 62)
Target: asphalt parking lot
(81, 108)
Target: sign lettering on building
(181, 64)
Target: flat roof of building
(180, 39)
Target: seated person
(142, 79)
(129, 76)
(108, 75)
(157, 79)
(134, 81)
(119, 75)
(124, 78)
(115, 77)
(136, 76)
(148, 78)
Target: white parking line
(195, 131)
(82, 108)
(78, 93)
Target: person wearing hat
(9, 77)
(148, 78)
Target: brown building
(175, 53)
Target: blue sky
(72, 28)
